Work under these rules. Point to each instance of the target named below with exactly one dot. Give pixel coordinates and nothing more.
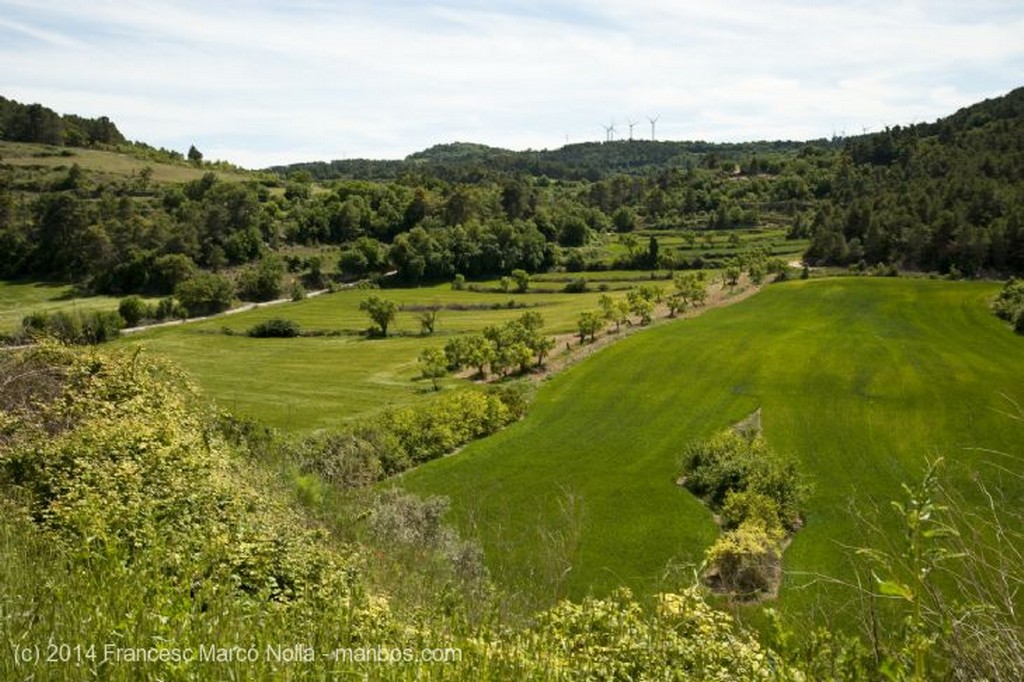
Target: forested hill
(946, 196)
(584, 161)
(36, 123)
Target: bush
(1009, 304)
(577, 285)
(274, 328)
(746, 561)
(399, 439)
(205, 294)
(262, 282)
(133, 309)
(730, 462)
(78, 327)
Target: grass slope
(861, 379)
(18, 299)
(107, 165)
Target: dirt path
(568, 351)
(232, 311)
(242, 308)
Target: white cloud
(275, 81)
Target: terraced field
(315, 382)
(863, 380)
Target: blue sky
(274, 81)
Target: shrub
(730, 462)
(121, 461)
(133, 309)
(1009, 304)
(205, 294)
(77, 327)
(274, 328)
(399, 439)
(745, 561)
(262, 282)
(577, 285)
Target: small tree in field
(588, 325)
(381, 311)
(433, 366)
(428, 320)
(522, 280)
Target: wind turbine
(653, 121)
(609, 132)
(631, 125)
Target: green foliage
(615, 638)
(428, 320)
(132, 309)
(942, 196)
(1009, 304)
(522, 279)
(691, 289)
(381, 311)
(262, 281)
(589, 324)
(577, 285)
(730, 462)
(399, 439)
(205, 294)
(641, 304)
(274, 328)
(116, 458)
(746, 561)
(433, 365)
(77, 327)
(515, 344)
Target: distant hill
(36, 123)
(584, 161)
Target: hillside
(863, 380)
(944, 196)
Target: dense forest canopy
(943, 196)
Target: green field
(863, 380)
(316, 382)
(18, 299)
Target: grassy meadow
(862, 380)
(314, 382)
(18, 299)
(45, 161)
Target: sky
(266, 82)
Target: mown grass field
(862, 380)
(316, 382)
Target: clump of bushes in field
(758, 496)
(78, 327)
(276, 327)
(401, 438)
(1009, 305)
(515, 345)
(134, 310)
